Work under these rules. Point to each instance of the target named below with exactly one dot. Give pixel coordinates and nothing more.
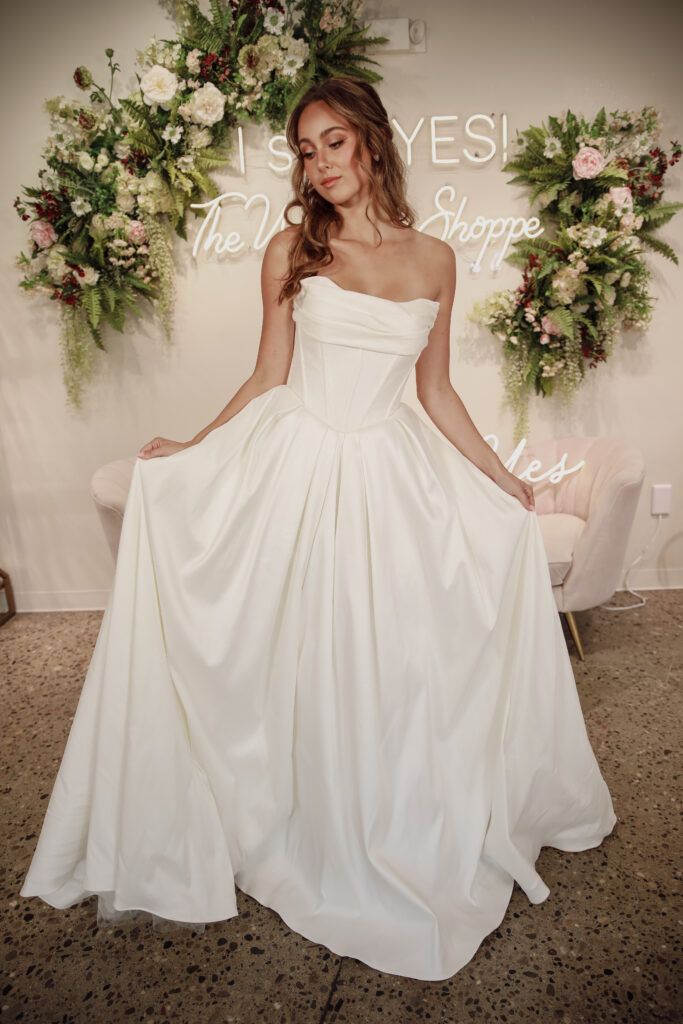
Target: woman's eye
(333, 145)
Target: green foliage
(586, 278)
(661, 214)
(138, 167)
(563, 320)
(210, 34)
(663, 248)
(92, 301)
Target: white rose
(102, 160)
(158, 86)
(90, 275)
(207, 105)
(85, 161)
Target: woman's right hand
(160, 446)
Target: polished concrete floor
(605, 946)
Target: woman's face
(327, 143)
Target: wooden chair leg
(574, 630)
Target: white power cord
(642, 601)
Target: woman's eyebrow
(326, 132)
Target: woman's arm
(274, 354)
(441, 402)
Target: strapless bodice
(353, 352)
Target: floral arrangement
(599, 187)
(121, 174)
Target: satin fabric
(331, 672)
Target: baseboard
(61, 600)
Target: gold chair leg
(573, 629)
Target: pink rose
(136, 233)
(549, 327)
(43, 234)
(621, 197)
(588, 162)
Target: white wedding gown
(331, 672)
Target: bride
(357, 229)
(331, 670)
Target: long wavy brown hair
(358, 102)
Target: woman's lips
(328, 182)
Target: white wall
(529, 60)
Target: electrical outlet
(661, 500)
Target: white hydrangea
(153, 196)
(127, 186)
(171, 55)
(115, 221)
(56, 263)
(192, 61)
(198, 138)
(298, 48)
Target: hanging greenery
(600, 191)
(120, 174)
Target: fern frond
(115, 317)
(661, 214)
(563, 320)
(663, 248)
(92, 301)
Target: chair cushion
(560, 532)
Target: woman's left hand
(520, 489)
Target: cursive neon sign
(232, 242)
(490, 229)
(554, 474)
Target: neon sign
(212, 237)
(554, 474)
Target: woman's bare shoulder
(276, 261)
(430, 248)
(283, 240)
(436, 260)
